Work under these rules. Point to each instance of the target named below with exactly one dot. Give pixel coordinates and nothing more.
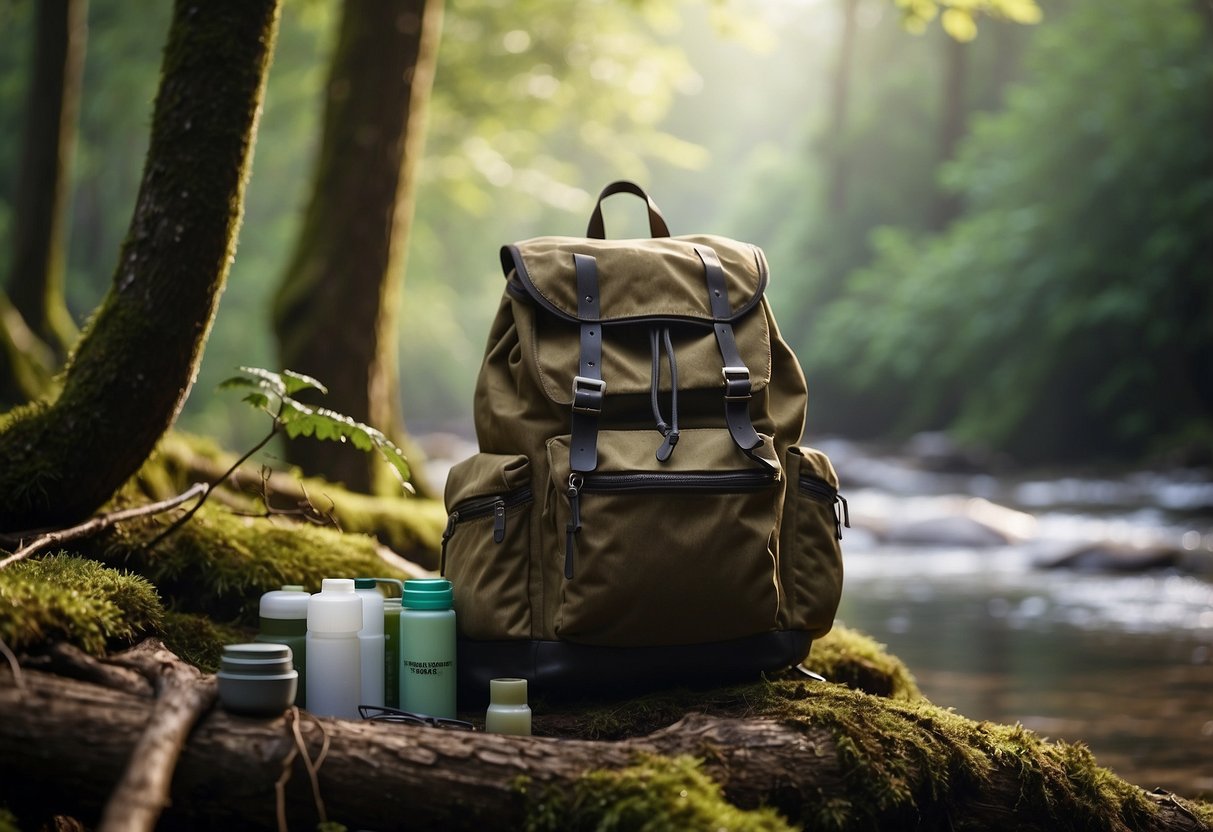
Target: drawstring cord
(668, 431)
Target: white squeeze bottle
(370, 637)
(427, 648)
(334, 667)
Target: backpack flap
(643, 284)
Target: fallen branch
(183, 696)
(101, 523)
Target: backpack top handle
(657, 226)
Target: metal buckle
(736, 383)
(588, 394)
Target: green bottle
(391, 643)
(427, 648)
(284, 621)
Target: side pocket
(486, 545)
(810, 551)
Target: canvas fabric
(640, 498)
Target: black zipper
(641, 482)
(494, 506)
(818, 489)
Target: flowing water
(1120, 662)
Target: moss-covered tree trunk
(136, 362)
(336, 312)
(44, 183)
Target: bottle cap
(364, 583)
(288, 602)
(427, 594)
(336, 608)
(507, 691)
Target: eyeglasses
(378, 713)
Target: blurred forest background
(1008, 237)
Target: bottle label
(428, 668)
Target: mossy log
(814, 755)
(410, 526)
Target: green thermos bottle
(427, 648)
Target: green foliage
(1069, 312)
(274, 393)
(959, 17)
(8, 821)
(66, 598)
(656, 794)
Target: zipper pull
(843, 517)
(574, 526)
(499, 521)
(447, 534)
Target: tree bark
(840, 99)
(61, 731)
(44, 183)
(946, 205)
(335, 316)
(134, 366)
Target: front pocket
(679, 552)
(486, 545)
(810, 551)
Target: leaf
(258, 400)
(271, 380)
(959, 24)
(296, 382)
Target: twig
(18, 679)
(184, 695)
(104, 521)
(183, 519)
(313, 768)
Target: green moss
(73, 599)
(199, 641)
(410, 527)
(913, 764)
(656, 794)
(220, 563)
(851, 658)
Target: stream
(1117, 658)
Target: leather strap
(588, 387)
(737, 385)
(657, 226)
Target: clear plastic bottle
(370, 638)
(283, 620)
(508, 711)
(334, 667)
(427, 648)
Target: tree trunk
(840, 95)
(63, 744)
(44, 180)
(335, 316)
(26, 362)
(134, 366)
(946, 205)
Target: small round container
(508, 711)
(257, 679)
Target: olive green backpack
(639, 513)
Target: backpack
(640, 513)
